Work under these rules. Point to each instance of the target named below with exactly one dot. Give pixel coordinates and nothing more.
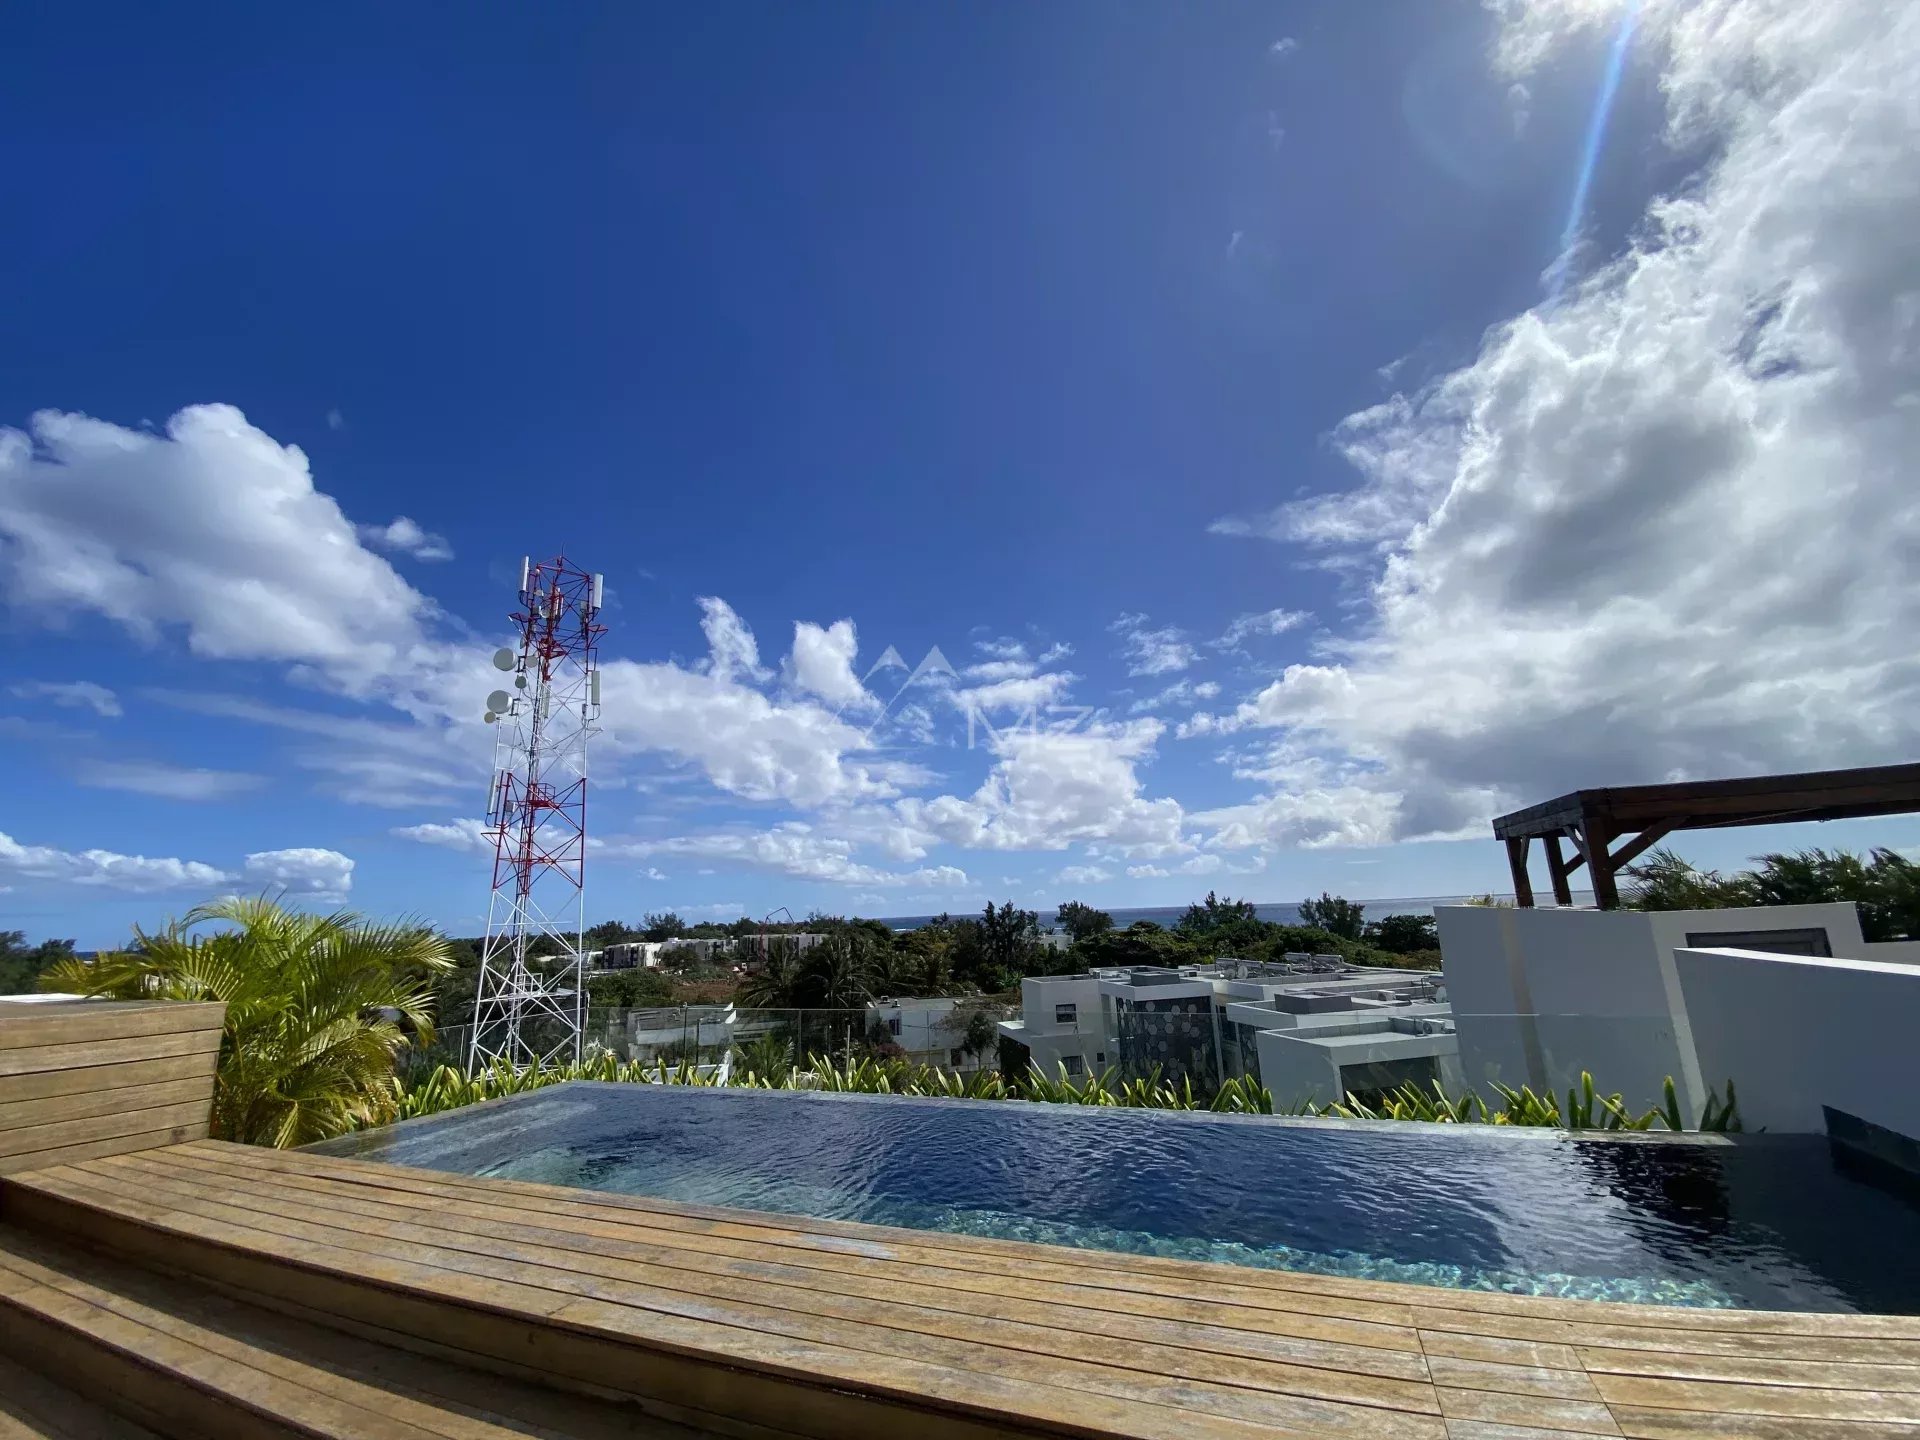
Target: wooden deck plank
(101, 1022)
(34, 1408)
(1648, 1424)
(1754, 1370)
(1200, 1273)
(502, 1288)
(1581, 1417)
(88, 1054)
(121, 1076)
(430, 1396)
(1558, 1384)
(1260, 1392)
(1008, 1295)
(1804, 1401)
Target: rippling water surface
(1768, 1222)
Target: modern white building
(932, 1030)
(1782, 1000)
(1317, 1026)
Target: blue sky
(1186, 373)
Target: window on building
(1100, 1057)
(893, 1026)
(1066, 1014)
(956, 1057)
(1073, 1064)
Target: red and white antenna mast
(530, 1008)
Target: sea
(1166, 915)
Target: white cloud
(407, 538)
(212, 529)
(733, 652)
(1032, 692)
(335, 420)
(1283, 47)
(1059, 650)
(793, 849)
(1004, 648)
(462, 834)
(1052, 788)
(1082, 875)
(1668, 525)
(301, 873)
(1150, 651)
(1001, 670)
(1260, 624)
(1181, 692)
(104, 869)
(167, 782)
(822, 664)
(71, 695)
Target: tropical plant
(1333, 913)
(1665, 881)
(318, 1009)
(1403, 934)
(1080, 920)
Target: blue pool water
(1764, 1221)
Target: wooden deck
(682, 1319)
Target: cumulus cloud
(167, 782)
(1032, 692)
(300, 873)
(1052, 788)
(822, 664)
(405, 537)
(1082, 875)
(1283, 47)
(732, 650)
(71, 695)
(211, 529)
(793, 849)
(1666, 526)
(104, 869)
(1151, 651)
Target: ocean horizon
(1276, 913)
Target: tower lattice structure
(530, 1007)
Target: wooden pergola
(1594, 820)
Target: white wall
(1795, 1033)
(1540, 995)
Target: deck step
(177, 1358)
(32, 1407)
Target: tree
(981, 1032)
(1334, 914)
(309, 1046)
(629, 990)
(773, 983)
(1008, 940)
(1664, 881)
(21, 964)
(665, 926)
(1885, 887)
(1214, 913)
(1080, 920)
(1403, 934)
(611, 932)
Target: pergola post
(1557, 870)
(1593, 844)
(1517, 863)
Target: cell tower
(530, 1008)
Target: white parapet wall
(1540, 995)
(1797, 1033)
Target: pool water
(1766, 1222)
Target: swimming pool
(1761, 1221)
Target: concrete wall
(1541, 995)
(1795, 1034)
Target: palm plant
(318, 1008)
